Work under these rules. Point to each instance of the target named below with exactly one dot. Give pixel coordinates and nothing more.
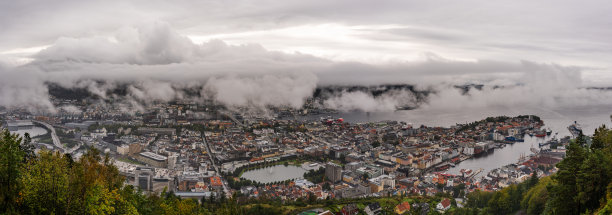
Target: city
(292, 107)
(203, 151)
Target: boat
(575, 129)
(512, 139)
(444, 167)
(541, 134)
(551, 142)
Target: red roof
(215, 181)
(445, 203)
(404, 206)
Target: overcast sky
(564, 32)
(329, 42)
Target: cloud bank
(155, 63)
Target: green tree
(592, 180)
(46, 179)
(563, 193)
(12, 158)
(535, 199)
(533, 180)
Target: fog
(158, 64)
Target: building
(402, 208)
(373, 209)
(379, 183)
(143, 178)
(371, 170)
(350, 209)
(188, 183)
(443, 205)
(162, 131)
(215, 181)
(135, 148)
(20, 125)
(152, 159)
(333, 172)
(123, 149)
(172, 161)
(353, 166)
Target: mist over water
(557, 119)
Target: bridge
(55, 138)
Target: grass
(68, 142)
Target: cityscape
(201, 150)
(305, 107)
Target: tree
(563, 201)
(533, 180)
(222, 198)
(458, 190)
(326, 186)
(535, 199)
(592, 180)
(311, 198)
(46, 179)
(12, 158)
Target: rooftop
(154, 156)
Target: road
(226, 190)
(54, 136)
(56, 140)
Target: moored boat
(575, 129)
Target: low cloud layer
(155, 63)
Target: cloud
(71, 109)
(271, 89)
(364, 101)
(152, 62)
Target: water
(589, 117)
(274, 174)
(499, 157)
(35, 131)
(557, 119)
